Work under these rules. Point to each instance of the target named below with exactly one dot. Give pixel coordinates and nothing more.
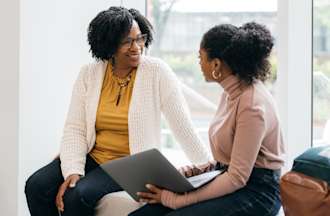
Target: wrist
(168, 199)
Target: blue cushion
(314, 162)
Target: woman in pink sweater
(245, 135)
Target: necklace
(122, 83)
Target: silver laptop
(133, 172)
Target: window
(179, 26)
(321, 73)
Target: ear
(217, 63)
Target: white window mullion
(295, 74)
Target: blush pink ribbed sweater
(245, 133)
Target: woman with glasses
(115, 111)
(245, 135)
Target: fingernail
(148, 185)
(72, 185)
(138, 193)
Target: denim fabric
(41, 189)
(260, 197)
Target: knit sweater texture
(156, 90)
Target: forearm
(73, 150)
(74, 144)
(196, 101)
(220, 186)
(177, 114)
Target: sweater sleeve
(177, 114)
(249, 134)
(74, 145)
(196, 100)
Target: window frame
(295, 69)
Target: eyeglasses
(140, 40)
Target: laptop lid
(133, 172)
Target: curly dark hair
(244, 49)
(110, 27)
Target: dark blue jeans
(41, 190)
(260, 197)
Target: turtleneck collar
(232, 86)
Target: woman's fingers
(152, 201)
(146, 195)
(181, 171)
(192, 170)
(188, 171)
(152, 197)
(59, 196)
(71, 182)
(196, 171)
(153, 188)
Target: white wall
(9, 62)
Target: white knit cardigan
(156, 89)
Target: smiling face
(130, 49)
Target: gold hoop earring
(216, 76)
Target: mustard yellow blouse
(112, 118)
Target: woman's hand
(192, 170)
(152, 197)
(189, 171)
(69, 182)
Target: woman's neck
(225, 73)
(121, 71)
